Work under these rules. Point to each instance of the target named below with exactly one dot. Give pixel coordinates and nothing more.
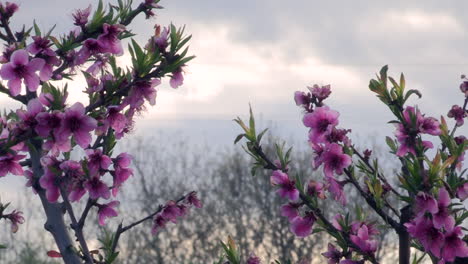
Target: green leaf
(260, 136)
(37, 31)
(3, 246)
(383, 75)
(410, 92)
(391, 143)
(239, 137)
(252, 122)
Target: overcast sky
(261, 51)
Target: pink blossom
(20, 68)
(50, 182)
(454, 246)
(316, 189)
(97, 161)
(442, 217)
(123, 160)
(142, 90)
(77, 192)
(337, 221)
(9, 163)
(431, 238)
(290, 210)
(321, 93)
(80, 16)
(121, 175)
(50, 61)
(109, 39)
(76, 122)
(97, 188)
(159, 222)
(414, 123)
(107, 211)
(335, 160)
(318, 150)
(16, 218)
(319, 122)
(302, 226)
(425, 203)
(363, 240)
(192, 199)
(39, 45)
(48, 122)
(253, 259)
(160, 39)
(75, 175)
(29, 117)
(90, 47)
(177, 78)
(462, 191)
(116, 120)
(464, 88)
(333, 255)
(430, 125)
(287, 187)
(171, 211)
(57, 145)
(301, 98)
(458, 114)
(335, 135)
(336, 188)
(8, 10)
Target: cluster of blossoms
(362, 234)
(173, 210)
(61, 127)
(435, 224)
(328, 143)
(325, 138)
(65, 149)
(435, 227)
(415, 124)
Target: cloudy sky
(261, 51)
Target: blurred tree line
(235, 203)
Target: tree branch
(78, 229)
(121, 229)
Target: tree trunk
(55, 223)
(403, 237)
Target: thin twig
(121, 229)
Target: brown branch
(372, 203)
(20, 98)
(75, 226)
(6, 25)
(120, 230)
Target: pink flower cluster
(362, 234)
(16, 218)
(325, 138)
(434, 227)
(315, 96)
(173, 210)
(79, 178)
(415, 124)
